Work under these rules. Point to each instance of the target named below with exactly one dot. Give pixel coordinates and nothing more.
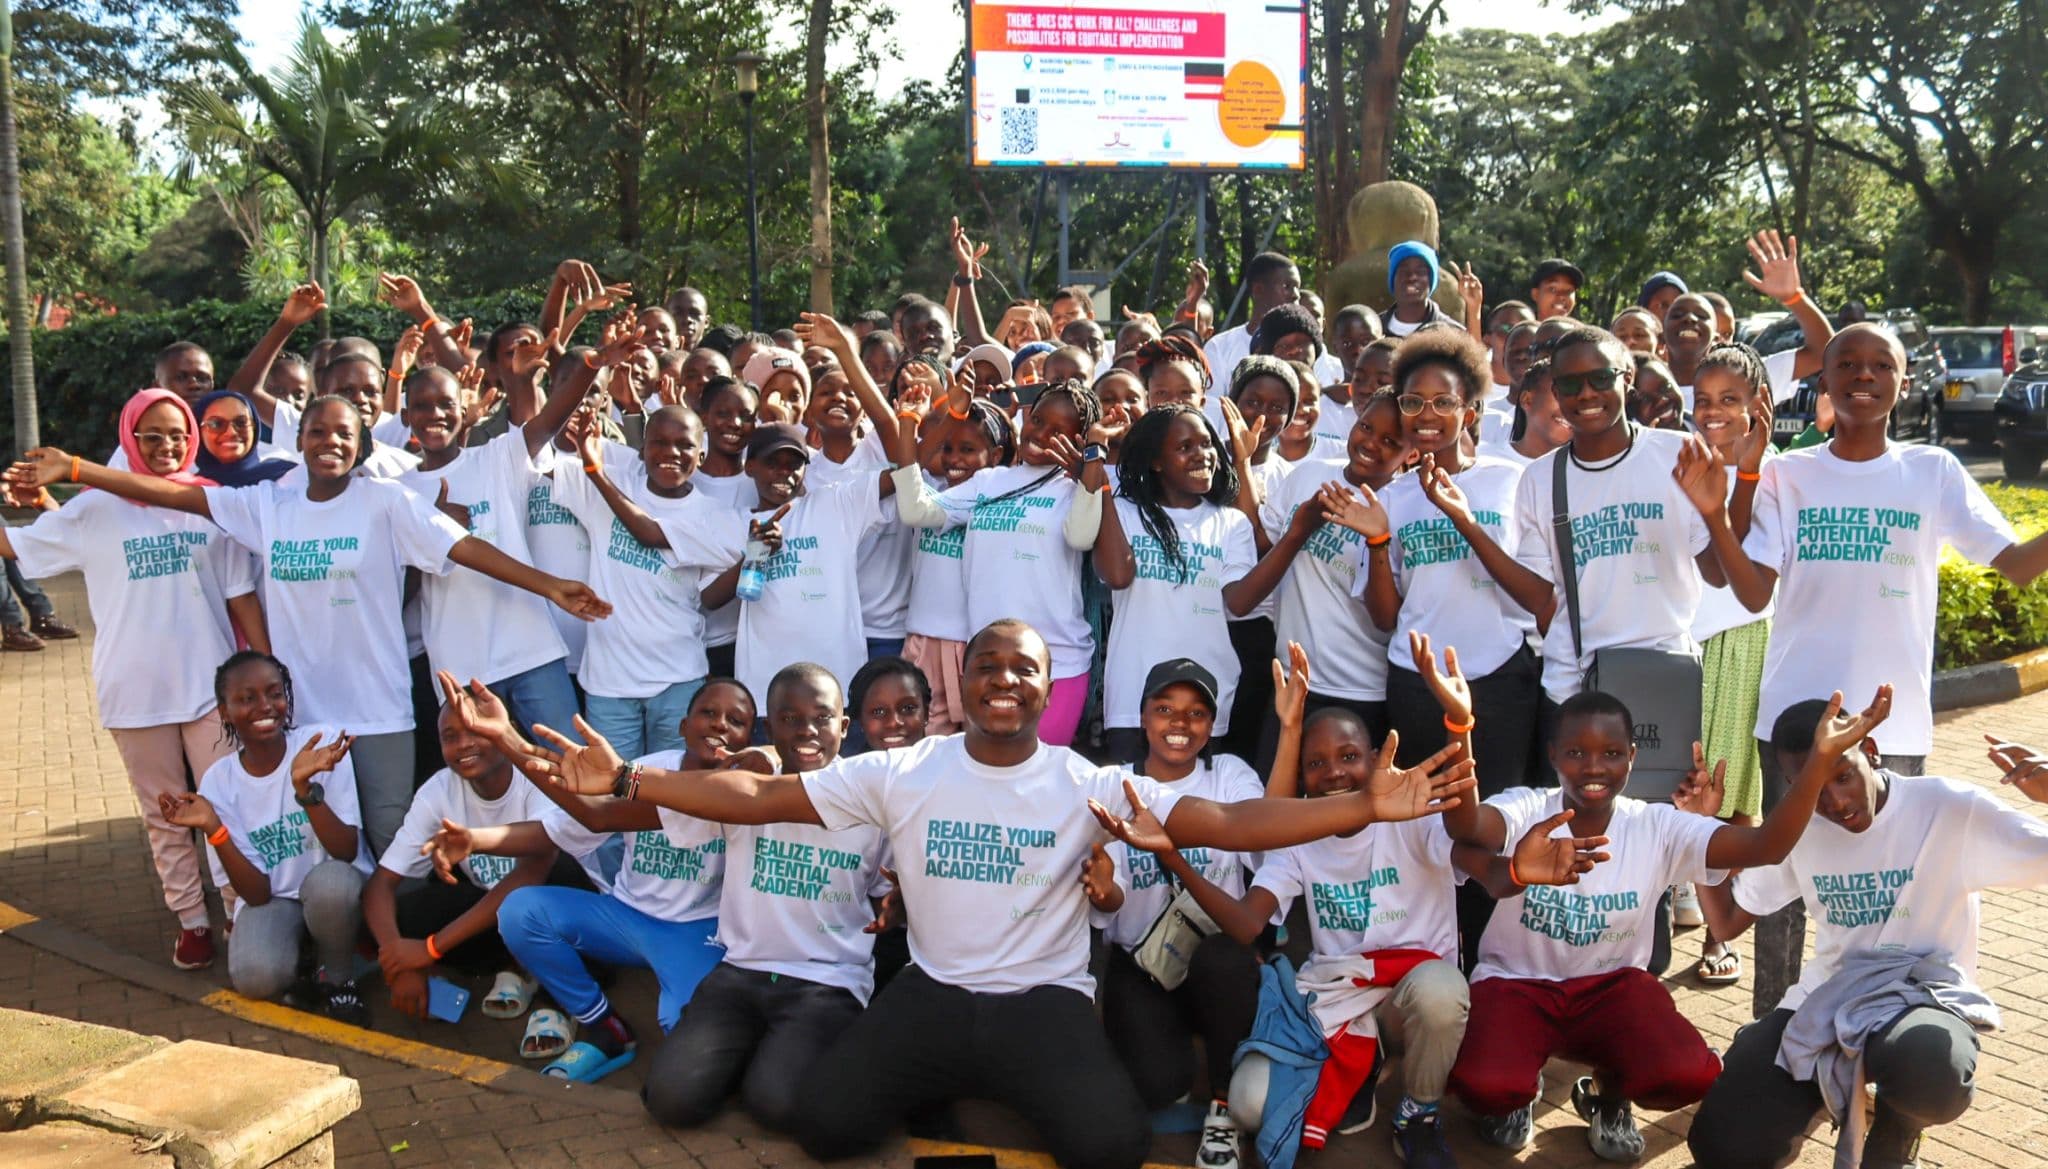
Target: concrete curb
(1999, 681)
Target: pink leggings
(1063, 706)
(156, 758)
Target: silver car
(1979, 360)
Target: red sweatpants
(1623, 1023)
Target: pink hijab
(131, 418)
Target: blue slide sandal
(586, 1063)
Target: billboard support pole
(1202, 216)
(1066, 214)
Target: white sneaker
(1218, 1149)
(1685, 908)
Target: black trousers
(1153, 1029)
(921, 1044)
(1252, 640)
(1924, 1064)
(1505, 706)
(747, 1031)
(434, 903)
(1372, 714)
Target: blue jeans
(884, 647)
(543, 695)
(552, 930)
(32, 596)
(642, 726)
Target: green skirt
(1732, 666)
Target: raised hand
(1198, 282)
(1426, 789)
(314, 759)
(966, 256)
(1471, 289)
(406, 353)
(1541, 859)
(447, 848)
(403, 293)
(188, 810)
(1700, 473)
(1452, 691)
(1840, 732)
(1702, 790)
(475, 708)
(2023, 767)
(460, 335)
(1142, 830)
(579, 281)
(769, 531)
(1750, 447)
(589, 768)
(1443, 491)
(889, 914)
(1290, 687)
(304, 303)
(820, 329)
(1244, 439)
(1361, 512)
(1778, 259)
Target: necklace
(1610, 464)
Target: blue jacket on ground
(1286, 1034)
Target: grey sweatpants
(1924, 1064)
(263, 950)
(384, 785)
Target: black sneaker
(1893, 1143)
(1363, 1110)
(345, 1004)
(1419, 1142)
(1612, 1134)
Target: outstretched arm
(46, 465)
(725, 797)
(572, 596)
(1735, 846)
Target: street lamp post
(747, 64)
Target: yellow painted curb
(12, 918)
(425, 1056)
(2032, 668)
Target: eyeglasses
(157, 438)
(1445, 405)
(1566, 385)
(223, 425)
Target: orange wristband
(1515, 877)
(1748, 476)
(590, 360)
(1464, 728)
(956, 415)
(591, 468)
(1379, 541)
(218, 837)
(434, 951)
(75, 463)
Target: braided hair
(220, 688)
(995, 426)
(1170, 348)
(1738, 359)
(1138, 482)
(1087, 407)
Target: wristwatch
(1093, 453)
(316, 795)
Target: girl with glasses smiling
(228, 452)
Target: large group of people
(944, 710)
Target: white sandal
(511, 993)
(548, 1032)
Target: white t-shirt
(561, 547)
(884, 561)
(474, 626)
(1174, 610)
(1636, 535)
(1347, 654)
(1017, 560)
(1909, 882)
(1148, 887)
(1606, 922)
(335, 573)
(1230, 346)
(391, 430)
(447, 796)
(1334, 421)
(989, 857)
(654, 637)
(1445, 591)
(1857, 546)
(722, 625)
(671, 873)
(1719, 610)
(264, 818)
(1503, 448)
(798, 904)
(1268, 476)
(938, 580)
(158, 582)
(388, 459)
(1497, 419)
(1387, 887)
(1777, 373)
(810, 609)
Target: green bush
(85, 372)
(1982, 616)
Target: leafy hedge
(85, 372)
(1982, 616)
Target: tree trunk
(816, 131)
(1386, 55)
(626, 169)
(1329, 158)
(27, 431)
(1973, 250)
(320, 261)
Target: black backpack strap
(1567, 557)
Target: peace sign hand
(1702, 791)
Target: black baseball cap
(1657, 281)
(1556, 267)
(1178, 670)
(770, 437)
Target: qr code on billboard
(1020, 130)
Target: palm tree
(314, 123)
(26, 430)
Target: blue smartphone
(445, 1000)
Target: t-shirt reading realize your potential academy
(269, 828)
(989, 856)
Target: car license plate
(1788, 426)
(1955, 390)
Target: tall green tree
(23, 371)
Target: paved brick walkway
(72, 853)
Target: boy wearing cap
(1659, 291)
(809, 607)
(1554, 288)
(1412, 275)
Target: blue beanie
(1413, 247)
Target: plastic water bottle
(753, 574)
